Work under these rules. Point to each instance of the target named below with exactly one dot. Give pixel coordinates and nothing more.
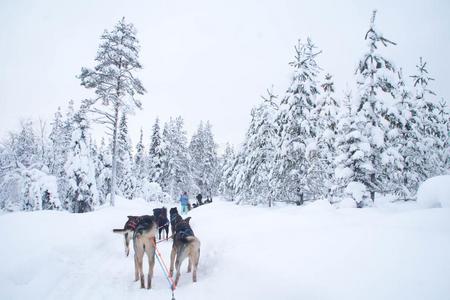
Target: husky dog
(174, 218)
(185, 244)
(127, 231)
(144, 242)
(162, 221)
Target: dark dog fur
(162, 221)
(174, 218)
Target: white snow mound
(346, 203)
(434, 192)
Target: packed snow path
(309, 252)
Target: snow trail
(309, 252)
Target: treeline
(67, 169)
(387, 136)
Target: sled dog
(127, 231)
(175, 217)
(162, 221)
(143, 231)
(144, 242)
(185, 245)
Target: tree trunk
(372, 192)
(114, 155)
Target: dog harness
(184, 232)
(132, 223)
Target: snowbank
(434, 192)
(346, 203)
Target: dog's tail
(121, 231)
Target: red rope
(163, 264)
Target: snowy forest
(383, 134)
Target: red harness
(132, 223)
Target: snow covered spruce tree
(352, 154)
(103, 171)
(140, 158)
(125, 175)
(82, 194)
(60, 139)
(24, 145)
(139, 171)
(115, 83)
(58, 145)
(155, 155)
(196, 152)
(204, 160)
(327, 110)
(211, 161)
(226, 171)
(258, 152)
(444, 122)
(404, 119)
(177, 172)
(375, 78)
(432, 133)
(295, 171)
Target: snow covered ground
(309, 252)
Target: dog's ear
(131, 217)
(187, 219)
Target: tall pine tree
(297, 122)
(115, 83)
(376, 85)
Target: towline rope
(166, 272)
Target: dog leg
(139, 257)
(172, 260)
(195, 265)
(127, 244)
(177, 269)
(141, 272)
(151, 266)
(195, 260)
(189, 265)
(136, 270)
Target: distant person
(199, 199)
(184, 201)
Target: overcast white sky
(203, 59)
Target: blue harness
(185, 232)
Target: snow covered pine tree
(115, 83)
(295, 168)
(375, 78)
(82, 194)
